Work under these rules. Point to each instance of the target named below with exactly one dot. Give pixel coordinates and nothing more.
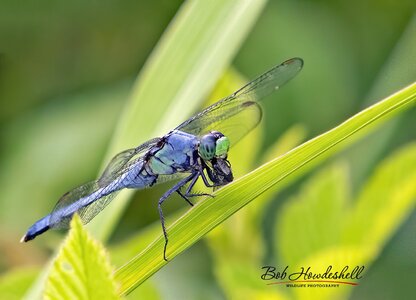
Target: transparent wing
(87, 213)
(170, 177)
(80, 200)
(237, 114)
(70, 203)
(122, 160)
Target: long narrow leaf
(212, 211)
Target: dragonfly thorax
(213, 145)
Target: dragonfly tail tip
(26, 238)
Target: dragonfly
(197, 148)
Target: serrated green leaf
(81, 270)
(208, 213)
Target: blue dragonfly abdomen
(176, 154)
(85, 195)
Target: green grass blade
(210, 212)
(194, 51)
(397, 71)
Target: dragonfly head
(213, 145)
(213, 148)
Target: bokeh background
(66, 70)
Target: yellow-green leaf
(81, 270)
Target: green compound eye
(221, 149)
(207, 147)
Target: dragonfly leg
(199, 195)
(206, 182)
(185, 197)
(191, 185)
(194, 179)
(175, 188)
(202, 166)
(188, 190)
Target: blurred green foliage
(66, 69)
(92, 44)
